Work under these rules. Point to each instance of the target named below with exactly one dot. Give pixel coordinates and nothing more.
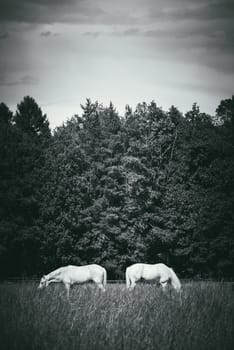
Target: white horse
(69, 275)
(149, 272)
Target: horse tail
(104, 277)
(128, 281)
(175, 280)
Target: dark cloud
(61, 11)
(24, 80)
(47, 11)
(48, 33)
(207, 37)
(187, 9)
(111, 12)
(198, 31)
(4, 35)
(197, 37)
(207, 10)
(51, 3)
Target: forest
(149, 186)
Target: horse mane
(54, 273)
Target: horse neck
(52, 274)
(175, 280)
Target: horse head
(43, 282)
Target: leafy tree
(30, 119)
(150, 186)
(25, 138)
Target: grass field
(146, 318)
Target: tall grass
(146, 318)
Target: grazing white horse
(71, 274)
(149, 272)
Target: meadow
(146, 318)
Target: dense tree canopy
(151, 186)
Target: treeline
(152, 186)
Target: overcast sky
(127, 51)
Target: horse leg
(128, 280)
(100, 286)
(67, 286)
(99, 283)
(133, 283)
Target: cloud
(208, 44)
(203, 36)
(131, 32)
(24, 80)
(47, 11)
(48, 33)
(208, 10)
(110, 12)
(92, 34)
(206, 87)
(4, 35)
(186, 31)
(117, 33)
(70, 11)
(189, 10)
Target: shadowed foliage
(151, 186)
